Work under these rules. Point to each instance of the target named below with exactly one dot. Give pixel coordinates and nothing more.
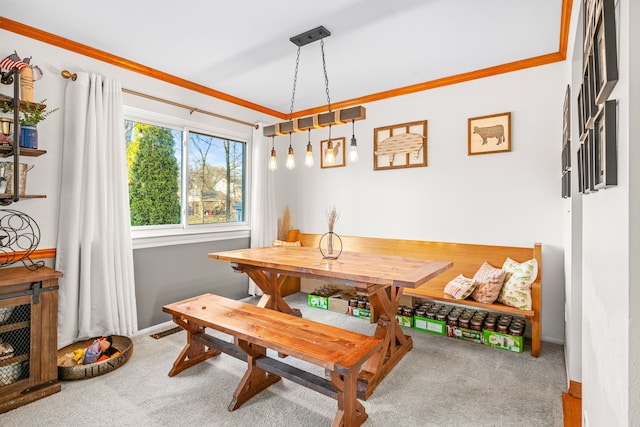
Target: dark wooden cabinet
(29, 324)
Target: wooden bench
(467, 259)
(340, 352)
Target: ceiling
(242, 48)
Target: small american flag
(13, 61)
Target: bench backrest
(326, 346)
(467, 258)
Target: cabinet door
(16, 327)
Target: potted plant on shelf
(31, 114)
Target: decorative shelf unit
(30, 372)
(15, 151)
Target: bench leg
(535, 335)
(350, 411)
(254, 379)
(193, 352)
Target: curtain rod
(73, 76)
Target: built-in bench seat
(467, 259)
(340, 352)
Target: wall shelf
(14, 104)
(7, 151)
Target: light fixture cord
(295, 80)
(326, 77)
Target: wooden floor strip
(572, 410)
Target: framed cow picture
(490, 134)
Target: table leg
(194, 351)
(396, 344)
(255, 379)
(271, 285)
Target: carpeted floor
(441, 382)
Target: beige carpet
(441, 382)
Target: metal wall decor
(19, 237)
(597, 116)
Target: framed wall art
(605, 50)
(604, 144)
(489, 134)
(589, 163)
(582, 129)
(566, 145)
(338, 149)
(581, 173)
(400, 146)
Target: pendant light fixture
(273, 164)
(291, 163)
(300, 124)
(353, 147)
(329, 157)
(308, 158)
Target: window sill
(177, 236)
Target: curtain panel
(264, 219)
(94, 249)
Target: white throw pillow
(516, 291)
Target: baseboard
(575, 389)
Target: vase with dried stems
(332, 216)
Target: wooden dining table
(381, 277)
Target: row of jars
(467, 318)
(360, 301)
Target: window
(216, 179)
(183, 178)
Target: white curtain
(94, 251)
(264, 219)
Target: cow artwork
(490, 134)
(496, 131)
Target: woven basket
(81, 372)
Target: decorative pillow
(516, 291)
(277, 242)
(460, 287)
(489, 281)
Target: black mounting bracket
(310, 36)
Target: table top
(349, 268)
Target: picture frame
(339, 153)
(400, 146)
(605, 51)
(590, 94)
(489, 134)
(589, 163)
(605, 147)
(582, 134)
(581, 173)
(566, 144)
(588, 9)
(566, 115)
(566, 185)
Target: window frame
(183, 233)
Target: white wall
(509, 198)
(609, 234)
(634, 213)
(572, 213)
